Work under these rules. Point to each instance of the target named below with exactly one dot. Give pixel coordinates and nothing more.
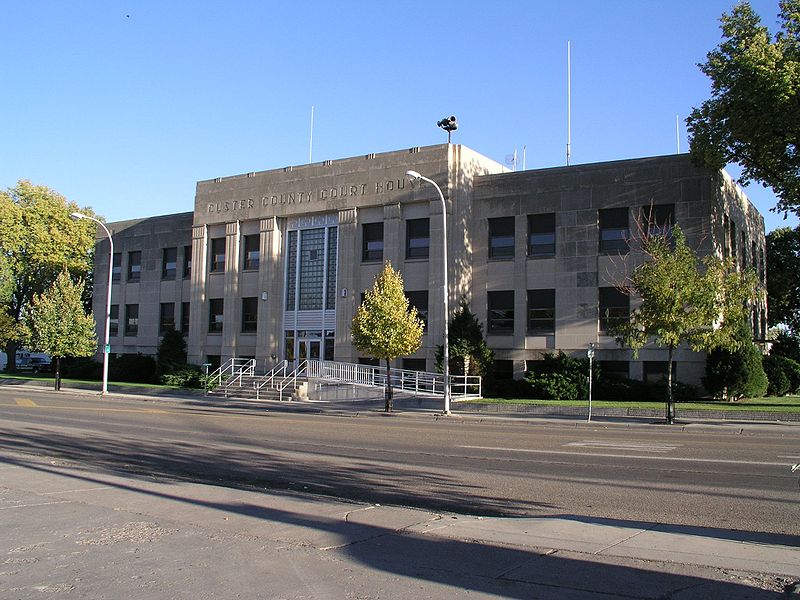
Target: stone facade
(280, 258)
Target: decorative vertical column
(393, 247)
(233, 303)
(348, 297)
(271, 291)
(198, 310)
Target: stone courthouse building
(273, 264)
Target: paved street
(126, 491)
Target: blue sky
(124, 105)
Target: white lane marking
(624, 445)
(31, 505)
(91, 489)
(643, 456)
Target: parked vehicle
(33, 364)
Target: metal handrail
(270, 377)
(238, 371)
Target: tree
(38, 240)
(58, 324)
(469, 354)
(753, 115)
(384, 326)
(171, 354)
(783, 277)
(734, 374)
(684, 300)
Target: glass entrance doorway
(309, 347)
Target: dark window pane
(414, 364)
(501, 312)
(542, 235)
(249, 315)
(169, 263)
(185, 316)
(542, 311)
(134, 266)
(372, 249)
(215, 314)
(419, 300)
(114, 320)
(614, 368)
(614, 230)
(252, 252)
(187, 261)
(166, 320)
(614, 308)
(418, 238)
(131, 319)
(116, 267)
(218, 255)
(501, 237)
(660, 219)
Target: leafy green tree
(734, 374)
(753, 115)
(38, 240)
(783, 277)
(384, 326)
(684, 300)
(469, 354)
(171, 354)
(786, 344)
(783, 374)
(58, 324)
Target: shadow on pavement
(471, 565)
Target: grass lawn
(50, 378)
(784, 404)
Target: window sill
(417, 259)
(501, 258)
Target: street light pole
(590, 354)
(107, 347)
(413, 175)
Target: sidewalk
(99, 534)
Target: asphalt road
(723, 478)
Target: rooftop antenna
(524, 152)
(449, 125)
(677, 134)
(311, 135)
(511, 160)
(569, 100)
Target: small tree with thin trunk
(684, 301)
(384, 326)
(58, 324)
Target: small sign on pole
(590, 354)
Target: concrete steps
(244, 389)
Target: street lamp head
(77, 216)
(413, 175)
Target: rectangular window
(660, 219)
(501, 312)
(615, 308)
(249, 315)
(330, 345)
(419, 300)
(614, 368)
(414, 364)
(542, 235)
(131, 319)
(216, 307)
(372, 247)
(218, 255)
(614, 230)
(134, 265)
(116, 267)
(187, 262)
(169, 263)
(656, 370)
(114, 320)
(185, 316)
(541, 312)
(418, 238)
(372, 362)
(289, 348)
(732, 241)
(166, 319)
(252, 252)
(330, 294)
(503, 369)
(501, 238)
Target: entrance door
(309, 349)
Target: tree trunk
(11, 355)
(58, 373)
(670, 400)
(388, 393)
